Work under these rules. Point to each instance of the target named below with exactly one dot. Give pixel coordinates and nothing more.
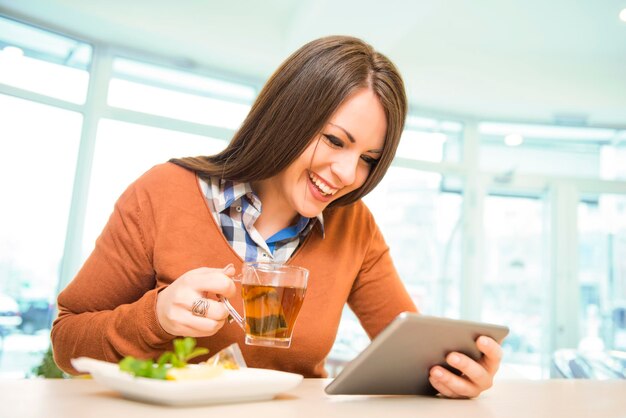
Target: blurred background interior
(506, 201)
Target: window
(133, 148)
(124, 151)
(39, 146)
(553, 150)
(514, 285)
(421, 224)
(602, 272)
(37, 172)
(43, 62)
(179, 95)
(431, 140)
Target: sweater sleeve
(109, 310)
(378, 295)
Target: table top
(54, 398)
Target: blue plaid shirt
(235, 208)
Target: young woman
(320, 136)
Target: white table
(52, 398)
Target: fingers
(437, 379)
(210, 280)
(451, 385)
(189, 307)
(472, 371)
(208, 309)
(205, 327)
(477, 376)
(492, 354)
(443, 389)
(209, 323)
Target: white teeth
(324, 188)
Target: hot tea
(272, 296)
(270, 311)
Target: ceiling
(531, 60)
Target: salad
(174, 365)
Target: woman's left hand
(476, 377)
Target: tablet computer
(398, 360)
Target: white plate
(241, 385)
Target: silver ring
(200, 307)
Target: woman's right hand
(174, 303)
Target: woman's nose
(345, 169)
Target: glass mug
(272, 295)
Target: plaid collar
(225, 193)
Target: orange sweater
(161, 228)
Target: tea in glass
(271, 311)
(272, 294)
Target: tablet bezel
(398, 360)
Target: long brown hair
(297, 101)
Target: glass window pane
(43, 62)
(553, 150)
(178, 94)
(177, 105)
(421, 224)
(613, 159)
(175, 79)
(37, 174)
(514, 277)
(602, 272)
(431, 140)
(123, 152)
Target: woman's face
(337, 161)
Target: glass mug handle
(234, 315)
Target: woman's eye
(333, 141)
(369, 160)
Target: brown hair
(297, 101)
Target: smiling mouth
(324, 189)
